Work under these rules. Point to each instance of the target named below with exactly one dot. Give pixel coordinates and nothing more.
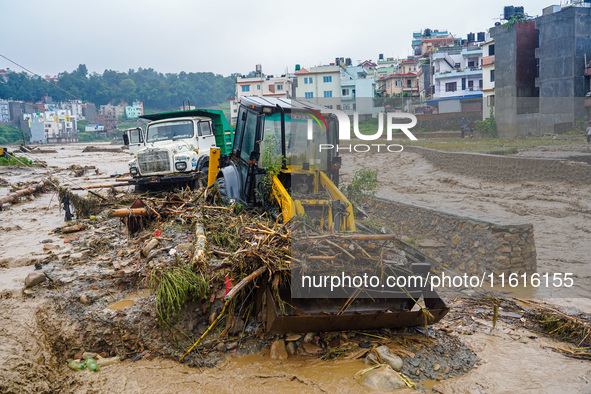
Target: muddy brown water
(560, 212)
(513, 360)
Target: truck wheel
(203, 168)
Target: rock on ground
(34, 278)
(383, 378)
(278, 351)
(390, 358)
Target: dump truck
(174, 148)
(278, 162)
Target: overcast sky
(51, 36)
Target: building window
(329, 107)
(246, 88)
(328, 79)
(480, 84)
(492, 75)
(345, 107)
(451, 86)
(279, 87)
(258, 87)
(490, 101)
(491, 50)
(309, 95)
(328, 93)
(310, 80)
(345, 92)
(409, 83)
(470, 85)
(471, 64)
(306, 81)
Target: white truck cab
(170, 147)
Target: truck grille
(153, 161)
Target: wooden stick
(206, 331)
(341, 248)
(220, 208)
(321, 257)
(244, 282)
(124, 212)
(100, 186)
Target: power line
(37, 75)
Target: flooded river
(512, 360)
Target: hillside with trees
(156, 90)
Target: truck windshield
(298, 148)
(170, 130)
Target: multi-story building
(541, 78)
(357, 90)
(457, 76)
(318, 83)
(562, 76)
(135, 110)
(57, 126)
(488, 78)
(425, 41)
(75, 108)
(4, 111)
(407, 80)
(89, 111)
(339, 86)
(258, 84)
(112, 110)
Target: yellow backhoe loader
(282, 160)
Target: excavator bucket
(309, 301)
(319, 315)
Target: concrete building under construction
(541, 72)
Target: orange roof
(302, 71)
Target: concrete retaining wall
(506, 168)
(465, 241)
(446, 121)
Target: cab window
(249, 135)
(204, 128)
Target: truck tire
(203, 168)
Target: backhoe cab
(276, 162)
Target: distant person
(470, 128)
(463, 127)
(589, 134)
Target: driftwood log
(13, 197)
(125, 212)
(100, 186)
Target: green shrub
(488, 126)
(362, 186)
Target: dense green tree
(156, 90)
